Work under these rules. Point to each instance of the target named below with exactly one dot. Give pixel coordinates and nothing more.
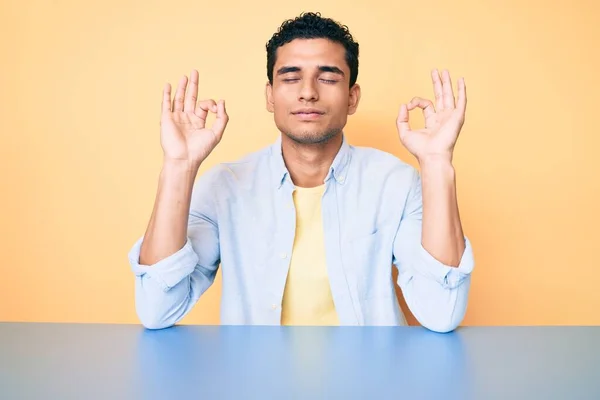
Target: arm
(167, 288)
(442, 230)
(435, 292)
(177, 259)
(167, 230)
(434, 257)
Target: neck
(308, 164)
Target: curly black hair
(313, 26)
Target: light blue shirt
(242, 218)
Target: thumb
(221, 120)
(402, 121)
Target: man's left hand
(442, 123)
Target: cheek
(340, 109)
(280, 111)
(280, 101)
(337, 99)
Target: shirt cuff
(169, 271)
(449, 277)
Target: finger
(221, 120)
(166, 101)
(437, 90)
(424, 104)
(447, 90)
(191, 94)
(202, 109)
(179, 94)
(461, 103)
(402, 122)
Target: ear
(269, 97)
(353, 98)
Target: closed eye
(328, 81)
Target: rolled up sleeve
(435, 293)
(166, 291)
(169, 271)
(448, 277)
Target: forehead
(311, 53)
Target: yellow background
(81, 84)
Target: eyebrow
(332, 69)
(322, 68)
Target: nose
(308, 91)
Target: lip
(308, 114)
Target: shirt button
(283, 255)
(341, 179)
(274, 306)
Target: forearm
(167, 230)
(442, 234)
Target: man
(306, 231)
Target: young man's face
(310, 95)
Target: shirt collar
(338, 169)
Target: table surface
(96, 361)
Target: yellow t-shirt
(307, 297)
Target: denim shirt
(242, 219)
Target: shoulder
(378, 163)
(233, 174)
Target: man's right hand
(183, 135)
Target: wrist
(180, 165)
(437, 160)
(437, 166)
(179, 170)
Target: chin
(312, 137)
